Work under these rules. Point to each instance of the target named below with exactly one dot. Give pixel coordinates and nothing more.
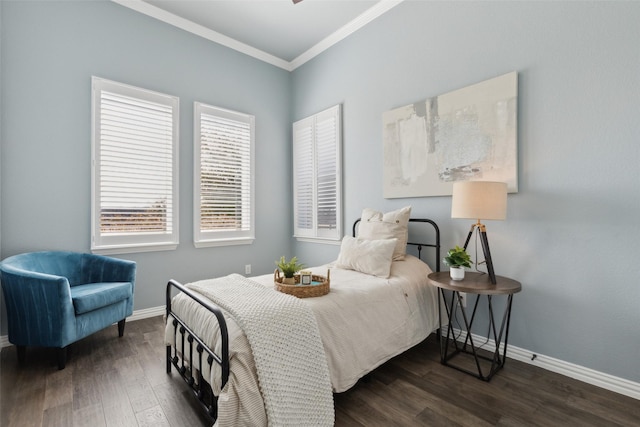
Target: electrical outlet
(463, 299)
(247, 269)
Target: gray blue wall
(50, 50)
(573, 230)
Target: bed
(365, 320)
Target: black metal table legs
(451, 347)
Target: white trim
(378, 9)
(114, 250)
(162, 15)
(199, 30)
(137, 315)
(336, 242)
(587, 375)
(580, 373)
(223, 242)
(222, 237)
(147, 312)
(314, 138)
(116, 243)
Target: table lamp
(480, 200)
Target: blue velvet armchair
(56, 298)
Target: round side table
(479, 284)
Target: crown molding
(378, 9)
(199, 30)
(155, 12)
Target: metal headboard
(419, 246)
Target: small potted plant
(457, 258)
(289, 268)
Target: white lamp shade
(479, 200)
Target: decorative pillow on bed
(375, 225)
(367, 256)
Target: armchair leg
(22, 353)
(121, 327)
(62, 358)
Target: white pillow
(375, 225)
(367, 256)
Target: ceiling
(276, 31)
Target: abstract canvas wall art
(468, 134)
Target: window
(224, 187)
(134, 169)
(317, 144)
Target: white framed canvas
(468, 134)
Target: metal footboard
(199, 386)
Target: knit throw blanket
(285, 342)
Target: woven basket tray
(303, 291)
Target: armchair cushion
(92, 296)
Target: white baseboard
(587, 375)
(137, 315)
(147, 312)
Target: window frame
(310, 125)
(130, 242)
(212, 238)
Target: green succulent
(457, 257)
(289, 268)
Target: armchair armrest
(39, 307)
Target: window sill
(127, 249)
(223, 242)
(319, 240)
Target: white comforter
(286, 347)
(364, 321)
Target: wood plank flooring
(111, 381)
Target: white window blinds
(317, 175)
(303, 167)
(224, 144)
(135, 137)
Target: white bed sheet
(364, 321)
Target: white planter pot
(456, 273)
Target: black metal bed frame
(198, 385)
(419, 246)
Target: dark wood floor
(110, 381)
